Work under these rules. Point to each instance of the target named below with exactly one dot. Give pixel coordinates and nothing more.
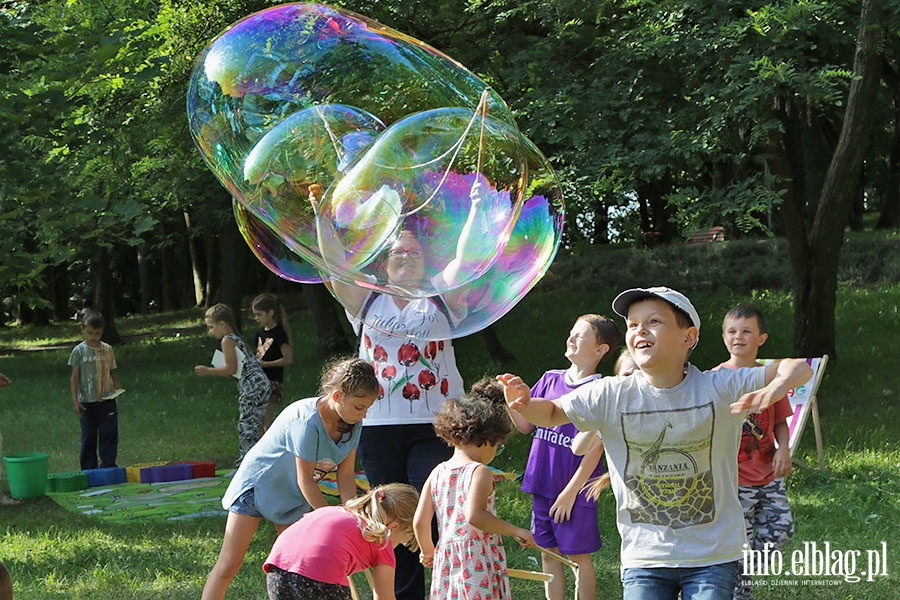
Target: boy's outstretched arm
(781, 377)
(537, 410)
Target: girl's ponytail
(379, 507)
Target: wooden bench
(714, 234)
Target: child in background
(625, 365)
(253, 385)
(93, 377)
(278, 479)
(563, 518)
(671, 437)
(761, 466)
(314, 557)
(469, 557)
(273, 348)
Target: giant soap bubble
(338, 136)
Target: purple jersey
(551, 463)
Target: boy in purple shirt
(563, 518)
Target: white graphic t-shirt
(416, 366)
(672, 455)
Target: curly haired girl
(469, 557)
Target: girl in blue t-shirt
(278, 478)
(563, 516)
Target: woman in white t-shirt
(408, 342)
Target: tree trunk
(889, 213)
(816, 276)
(213, 258)
(104, 294)
(167, 274)
(495, 347)
(143, 262)
(196, 272)
(235, 259)
(60, 289)
(331, 337)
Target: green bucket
(27, 474)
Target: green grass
(169, 414)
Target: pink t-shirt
(327, 545)
(758, 442)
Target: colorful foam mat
(172, 501)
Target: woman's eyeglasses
(400, 253)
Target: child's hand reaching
(316, 191)
(755, 401)
(524, 538)
(516, 392)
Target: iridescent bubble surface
(271, 250)
(338, 137)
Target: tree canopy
(763, 117)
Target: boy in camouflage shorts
(761, 467)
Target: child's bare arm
(781, 462)
(585, 441)
(306, 471)
(478, 515)
(781, 377)
(541, 412)
(114, 375)
(73, 388)
(521, 423)
(422, 525)
(346, 477)
(383, 582)
(229, 351)
(561, 510)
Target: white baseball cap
(624, 300)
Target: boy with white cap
(671, 434)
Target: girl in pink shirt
(314, 557)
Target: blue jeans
(714, 582)
(99, 423)
(403, 454)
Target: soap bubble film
(271, 250)
(362, 157)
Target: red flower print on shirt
(380, 354)
(408, 354)
(427, 380)
(411, 392)
(389, 373)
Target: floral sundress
(469, 564)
